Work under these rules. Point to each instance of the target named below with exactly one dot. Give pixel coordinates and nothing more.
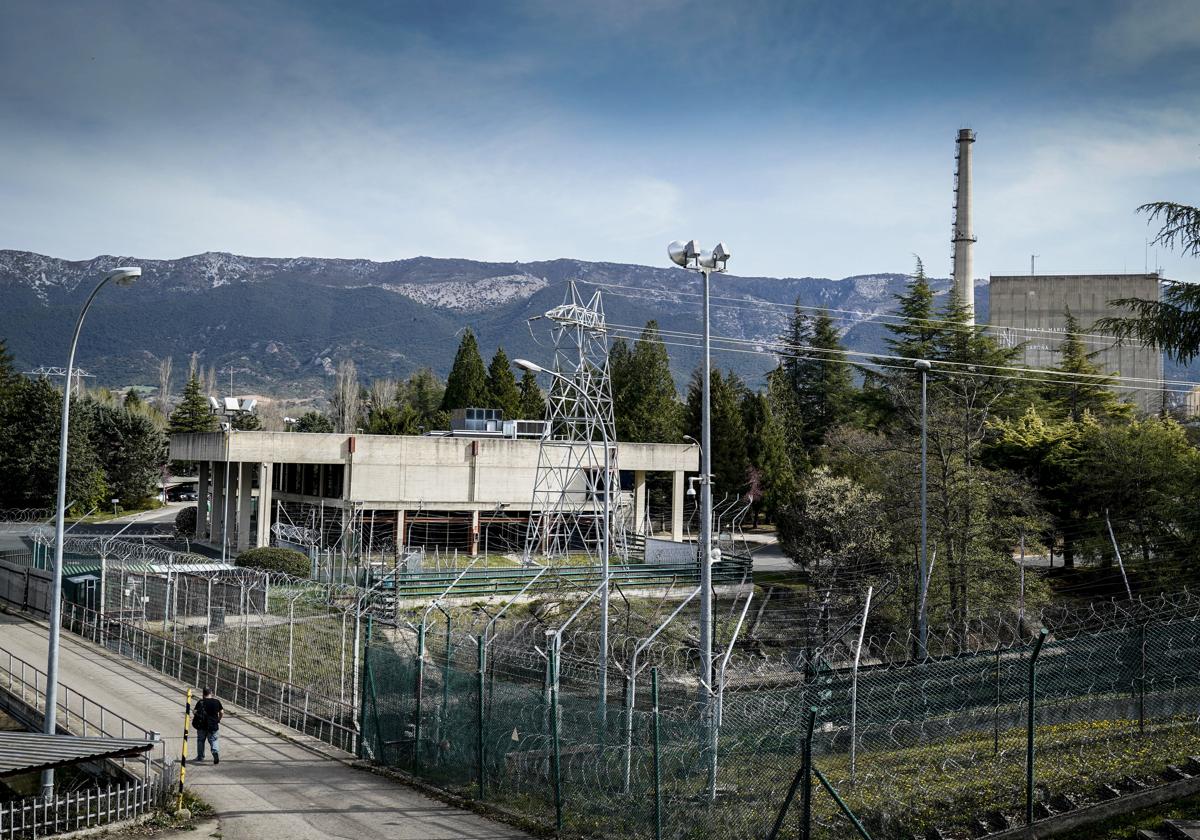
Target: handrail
(18, 683)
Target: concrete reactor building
(1031, 311)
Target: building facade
(406, 489)
(1030, 311)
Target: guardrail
(23, 692)
(75, 713)
(327, 719)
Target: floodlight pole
(50, 717)
(706, 593)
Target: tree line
(115, 449)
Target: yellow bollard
(187, 717)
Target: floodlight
(721, 256)
(249, 405)
(231, 405)
(124, 275)
(525, 364)
(922, 364)
(677, 251)
(213, 404)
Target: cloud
(1144, 32)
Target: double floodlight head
(690, 255)
(123, 276)
(230, 405)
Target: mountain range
(282, 325)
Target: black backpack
(199, 718)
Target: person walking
(207, 720)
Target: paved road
(266, 786)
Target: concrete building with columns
(401, 485)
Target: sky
(816, 138)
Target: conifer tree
(730, 461)
(192, 415)
(502, 386)
(1083, 386)
(533, 401)
(466, 386)
(915, 335)
(423, 393)
(645, 402)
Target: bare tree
(383, 392)
(343, 405)
(164, 385)
(193, 365)
(210, 381)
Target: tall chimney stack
(964, 240)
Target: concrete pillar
(639, 501)
(229, 509)
(677, 506)
(245, 503)
(266, 505)
(401, 531)
(217, 513)
(474, 533)
(202, 517)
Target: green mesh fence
(908, 748)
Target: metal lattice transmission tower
(577, 457)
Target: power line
(864, 316)
(876, 360)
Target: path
(266, 786)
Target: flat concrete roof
(406, 450)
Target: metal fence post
(362, 708)
(657, 764)
(803, 776)
(806, 782)
(1037, 649)
(556, 756)
(996, 713)
(479, 726)
(418, 692)
(1142, 679)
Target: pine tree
(916, 334)
(1084, 387)
(533, 401)
(502, 386)
(423, 393)
(730, 462)
(8, 371)
(310, 421)
(192, 415)
(777, 477)
(825, 396)
(645, 403)
(466, 386)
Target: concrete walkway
(266, 786)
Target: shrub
(185, 522)
(275, 560)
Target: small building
(464, 481)
(1030, 311)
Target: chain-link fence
(906, 748)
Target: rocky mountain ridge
(282, 323)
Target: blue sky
(816, 138)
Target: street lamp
(605, 545)
(923, 366)
(123, 276)
(689, 255)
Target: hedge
(275, 560)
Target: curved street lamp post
(123, 276)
